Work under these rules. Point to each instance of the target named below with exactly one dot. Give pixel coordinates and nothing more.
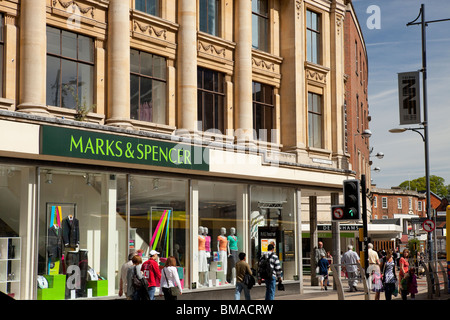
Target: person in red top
(152, 273)
(404, 268)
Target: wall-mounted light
(49, 178)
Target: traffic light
(351, 200)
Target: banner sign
(74, 143)
(409, 97)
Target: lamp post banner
(409, 97)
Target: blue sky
(392, 48)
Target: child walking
(412, 282)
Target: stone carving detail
(263, 64)
(75, 5)
(211, 48)
(298, 5)
(316, 76)
(151, 30)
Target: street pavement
(315, 293)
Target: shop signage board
(84, 144)
(409, 97)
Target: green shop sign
(74, 143)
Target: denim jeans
(151, 292)
(237, 293)
(270, 288)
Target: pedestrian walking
(133, 292)
(269, 269)
(170, 280)
(412, 283)
(123, 274)
(152, 273)
(242, 269)
(390, 283)
(374, 271)
(351, 260)
(403, 273)
(323, 272)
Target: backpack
(264, 267)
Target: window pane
(203, 15)
(53, 41)
(146, 64)
(263, 34)
(208, 79)
(134, 97)
(159, 67)
(69, 44)
(53, 87)
(140, 5)
(145, 105)
(255, 32)
(85, 84)
(69, 84)
(213, 15)
(134, 61)
(85, 49)
(208, 114)
(159, 102)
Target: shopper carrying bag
(170, 281)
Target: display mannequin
(55, 248)
(71, 231)
(207, 245)
(222, 248)
(202, 262)
(233, 254)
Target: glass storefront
(220, 212)
(273, 221)
(88, 223)
(11, 206)
(82, 232)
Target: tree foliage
(437, 185)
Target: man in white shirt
(351, 260)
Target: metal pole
(364, 219)
(425, 124)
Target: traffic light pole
(364, 219)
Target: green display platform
(99, 288)
(56, 288)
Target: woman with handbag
(137, 285)
(170, 281)
(390, 282)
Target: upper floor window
(70, 69)
(315, 120)
(419, 204)
(260, 24)
(147, 87)
(210, 99)
(149, 6)
(384, 203)
(375, 202)
(263, 111)
(399, 203)
(313, 36)
(209, 16)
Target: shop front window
(10, 238)
(220, 235)
(81, 233)
(158, 219)
(272, 221)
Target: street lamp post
(423, 25)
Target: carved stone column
(187, 66)
(243, 73)
(118, 113)
(33, 57)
